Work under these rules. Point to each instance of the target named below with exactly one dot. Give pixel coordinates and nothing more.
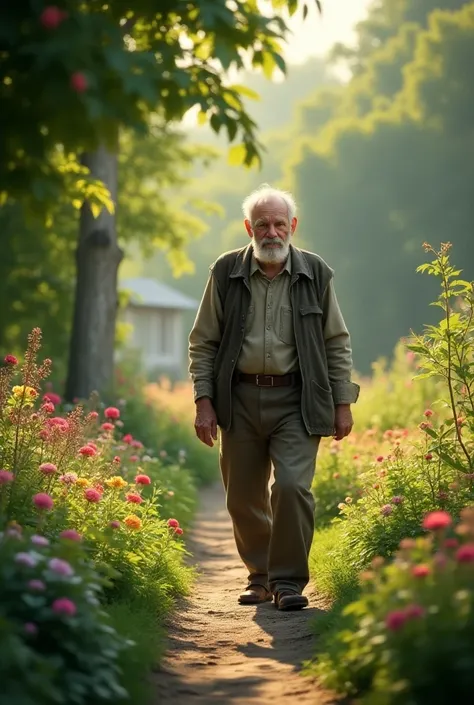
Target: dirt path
(221, 653)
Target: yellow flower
(116, 482)
(82, 482)
(133, 522)
(28, 392)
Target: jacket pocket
(286, 328)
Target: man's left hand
(343, 421)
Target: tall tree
(82, 71)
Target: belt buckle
(258, 377)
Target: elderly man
(271, 362)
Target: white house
(155, 314)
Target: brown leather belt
(269, 380)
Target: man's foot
(290, 600)
(255, 595)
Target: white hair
(262, 193)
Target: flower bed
(73, 478)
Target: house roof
(154, 294)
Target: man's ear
(248, 227)
(294, 223)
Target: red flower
(79, 82)
(395, 620)
(52, 397)
(48, 407)
(87, 451)
(414, 611)
(428, 413)
(435, 521)
(92, 495)
(420, 571)
(136, 444)
(93, 415)
(52, 16)
(107, 426)
(429, 456)
(128, 438)
(71, 535)
(380, 458)
(92, 444)
(10, 360)
(465, 554)
(112, 412)
(451, 543)
(117, 459)
(48, 468)
(134, 458)
(142, 480)
(134, 497)
(178, 531)
(173, 523)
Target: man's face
(271, 230)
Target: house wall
(157, 335)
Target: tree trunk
(91, 357)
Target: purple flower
(397, 499)
(25, 559)
(57, 565)
(37, 585)
(39, 540)
(386, 510)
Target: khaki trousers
(273, 529)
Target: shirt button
(268, 327)
(268, 356)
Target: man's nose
(272, 231)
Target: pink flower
(115, 524)
(79, 82)
(87, 451)
(397, 499)
(117, 460)
(52, 16)
(43, 501)
(428, 413)
(65, 606)
(134, 458)
(92, 495)
(107, 426)
(436, 521)
(178, 531)
(128, 438)
(26, 560)
(386, 510)
(71, 535)
(57, 565)
(48, 407)
(112, 412)
(39, 540)
(69, 478)
(37, 585)
(142, 480)
(10, 360)
(58, 421)
(414, 611)
(30, 628)
(52, 397)
(92, 445)
(93, 415)
(5, 477)
(451, 543)
(48, 468)
(395, 620)
(420, 571)
(136, 444)
(173, 523)
(465, 554)
(134, 498)
(380, 458)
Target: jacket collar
(242, 267)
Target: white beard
(271, 255)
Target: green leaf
(245, 91)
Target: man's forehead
(270, 206)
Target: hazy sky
(317, 34)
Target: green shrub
(56, 642)
(408, 639)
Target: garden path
(220, 653)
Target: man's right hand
(206, 422)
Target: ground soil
(221, 653)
